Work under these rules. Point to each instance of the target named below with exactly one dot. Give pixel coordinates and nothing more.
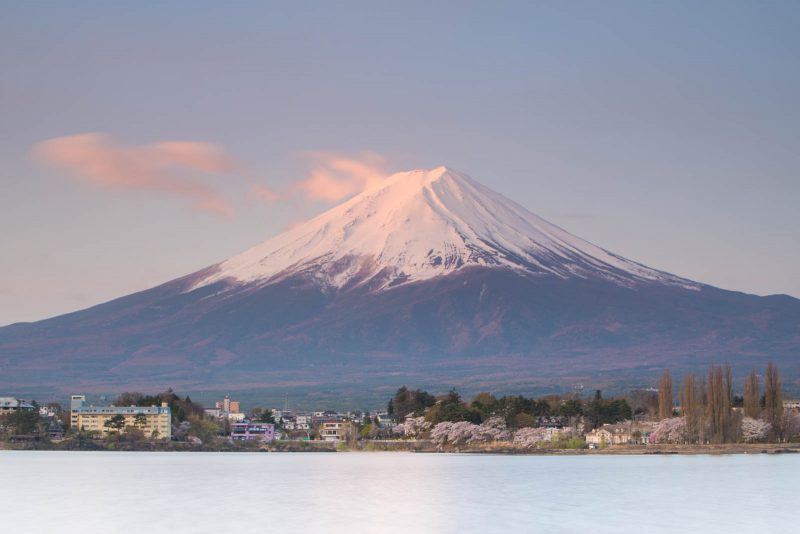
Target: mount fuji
(428, 277)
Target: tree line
(518, 411)
(713, 414)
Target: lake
(93, 492)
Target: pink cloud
(168, 167)
(264, 194)
(335, 177)
(332, 178)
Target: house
(553, 421)
(618, 434)
(384, 419)
(303, 422)
(790, 404)
(333, 429)
(12, 404)
(264, 432)
(153, 421)
(53, 427)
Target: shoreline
(421, 446)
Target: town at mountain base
(444, 282)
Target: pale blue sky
(668, 132)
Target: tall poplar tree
(719, 404)
(689, 397)
(752, 398)
(773, 400)
(665, 395)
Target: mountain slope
(421, 224)
(429, 278)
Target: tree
(133, 434)
(266, 417)
(115, 423)
(643, 402)
(129, 398)
(671, 430)
(205, 430)
(407, 402)
(22, 421)
(486, 404)
(773, 400)
(571, 408)
(600, 411)
(452, 408)
(754, 430)
(524, 420)
(665, 396)
(692, 409)
(719, 404)
(752, 406)
(140, 420)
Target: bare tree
(665, 395)
(752, 402)
(692, 410)
(719, 404)
(773, 400)
(703, 408)
(728, 385)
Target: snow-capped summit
(422, 224)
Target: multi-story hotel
(153, 421)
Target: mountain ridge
(514, 300)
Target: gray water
(94, 492)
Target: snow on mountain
(422, 224)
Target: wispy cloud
(168, 167)
(331, 178)
(264, 194)
(334, 177)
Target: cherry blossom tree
(464, 432)
(493, 429)
(413, 427)
(754, 429)
(672, 430)
(531, 437)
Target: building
(334, 429)
(791, 404)
(385, 420)
(48, 411)
(303, 422)
(153, 421)
(253, 432)
(53, 427)
(12, 404)
(235, 417)
(228, 405)
(226, 409)
(619, 434)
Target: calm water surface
(94, 492)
